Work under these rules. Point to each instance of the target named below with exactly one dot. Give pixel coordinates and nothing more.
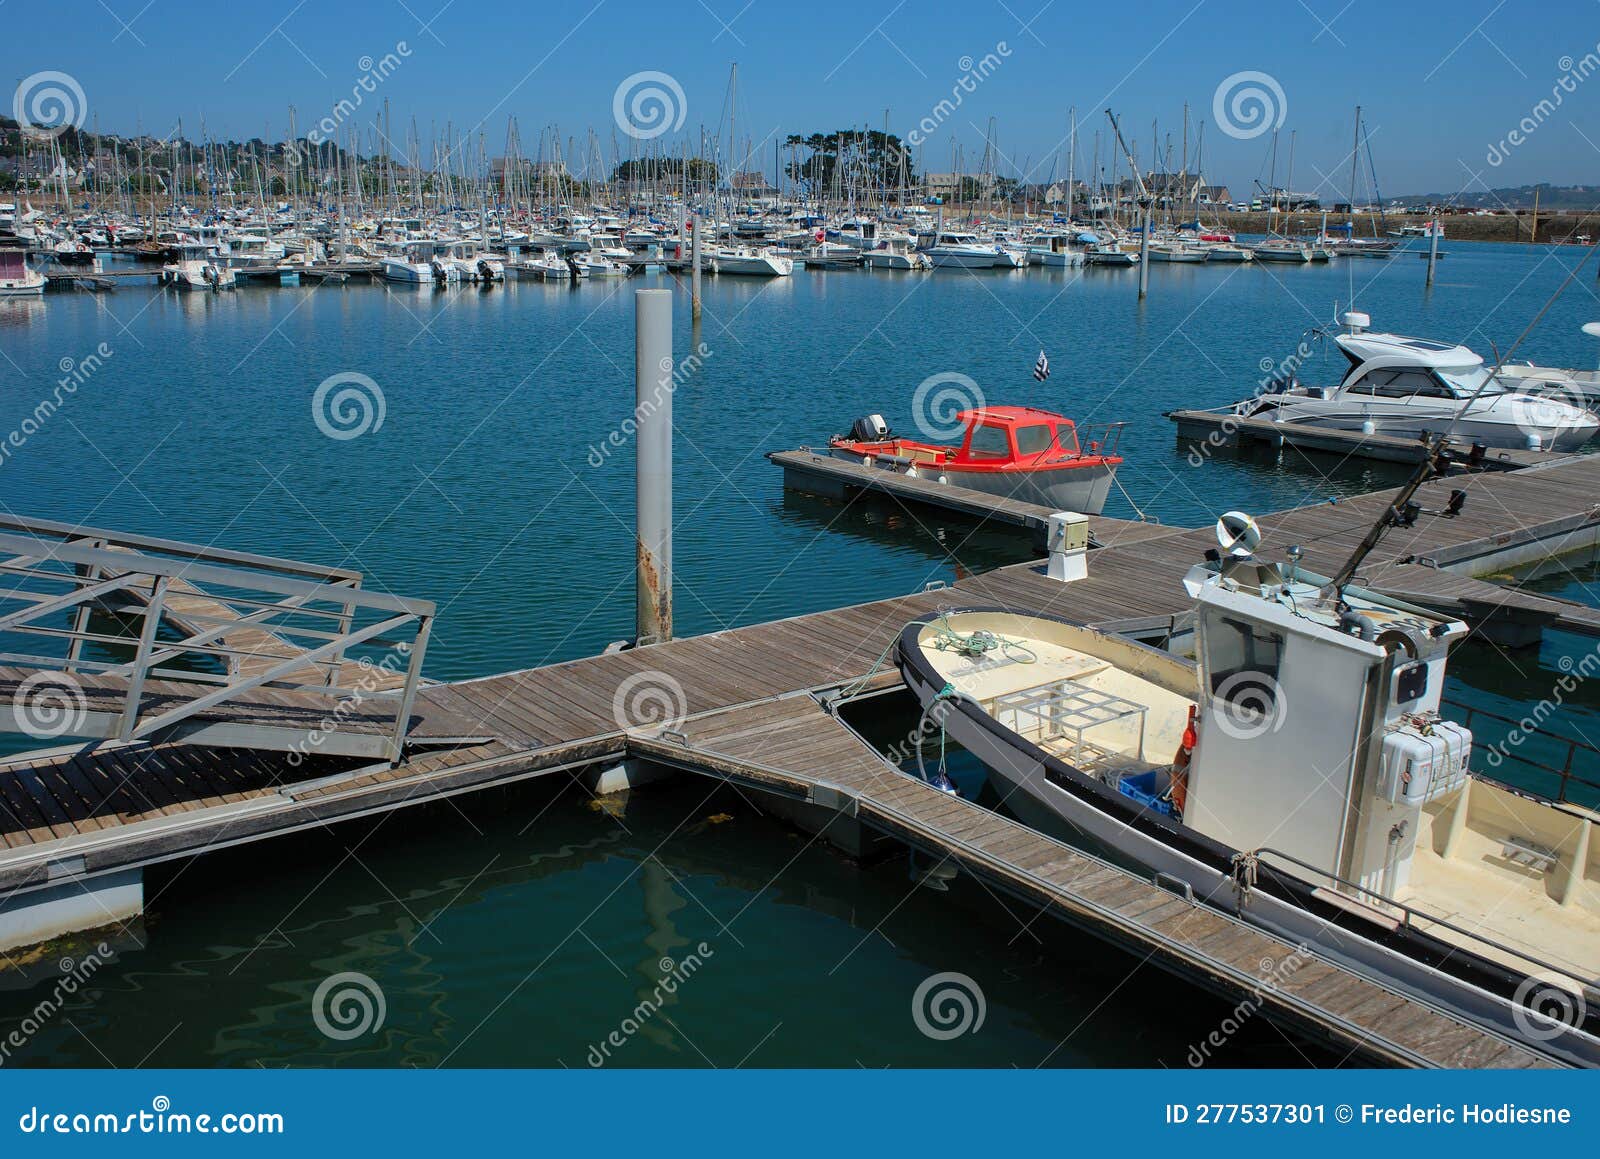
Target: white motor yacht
(594, 264)
(897, 254)
(1407, 386)
(742, 259)
(962, 251)
(195, 267)
(1054, 250)
(548, 265)
(17, 278)
(474, 264)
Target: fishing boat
(1296, 774)
(1018, 452)
(1407, 387)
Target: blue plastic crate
(1142, 788)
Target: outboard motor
(870, 429)
(441, 276)
(210, 274)
(485, 272)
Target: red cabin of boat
(1020, 452)
(998, 439)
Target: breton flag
(1041, 369)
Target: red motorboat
(1019, 452)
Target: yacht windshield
(1467, 381)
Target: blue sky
(1442, 86)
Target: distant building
(752, 184)
(1215, 195)
(941, 185)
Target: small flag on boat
(1041, 369)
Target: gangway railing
(106, 612)
(1524, 753)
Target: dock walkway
(741, 706)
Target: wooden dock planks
(794, 741)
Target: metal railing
(107, 612)
(1410, 916)
(1565, 775)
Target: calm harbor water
(480, 491)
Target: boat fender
(1178, 787)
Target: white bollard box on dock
(1068, 543)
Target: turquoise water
(478, 492)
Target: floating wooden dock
(80, 822)
(1226, 429)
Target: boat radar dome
(1238, 534)
(1355, 321)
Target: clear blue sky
(1441, 85)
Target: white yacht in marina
(896, 254)
(1405, 387)
(196, 267)
(417, 262)
(765, 262)
(17, 278)
(953, 249)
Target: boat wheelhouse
(1019, 452)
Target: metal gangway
(111, 636)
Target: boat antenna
(1435, 461)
